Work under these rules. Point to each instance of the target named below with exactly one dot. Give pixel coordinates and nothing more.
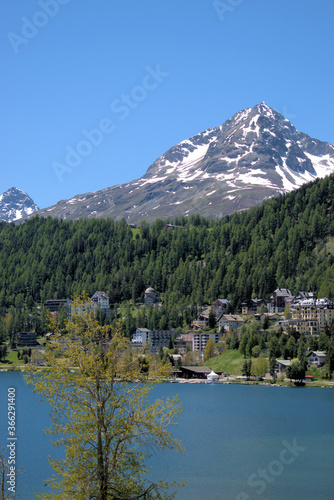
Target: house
(317, 358)
(252, 306)
(26, 339)
(202, 320)
(100, 298)
(230, 322)
(219, 307)
(279, 300)
(281, 365)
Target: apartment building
(155, 339)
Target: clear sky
(93, 91)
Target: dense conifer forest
(286, 242)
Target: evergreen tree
(212, 319)
(330, 357)
(296, 370)
(247, 368)
(273, 348)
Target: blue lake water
(242, 442)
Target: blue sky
(92, 92)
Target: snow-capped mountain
(15, 204)
(254, 155)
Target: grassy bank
(230, 361)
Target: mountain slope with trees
(286, 242)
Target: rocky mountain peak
(15, 204)
(254, 155)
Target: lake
(242, 442)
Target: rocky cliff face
(254, 155)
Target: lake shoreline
(321, 384)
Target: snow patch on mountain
(252, 128)
(153, 180)
(242, 115)
(323, 165)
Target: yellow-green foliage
(209, 350)
(260, 366)
(101, 413)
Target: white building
(282, 365)
(230, 322)
(100, 298)
(140, 336)
(317, 358)
(199, 340)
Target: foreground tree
(101, 413)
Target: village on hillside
(211, 331)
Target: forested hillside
(286, 242)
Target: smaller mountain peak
(14, 190)
(15, 204)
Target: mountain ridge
(254, 155)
